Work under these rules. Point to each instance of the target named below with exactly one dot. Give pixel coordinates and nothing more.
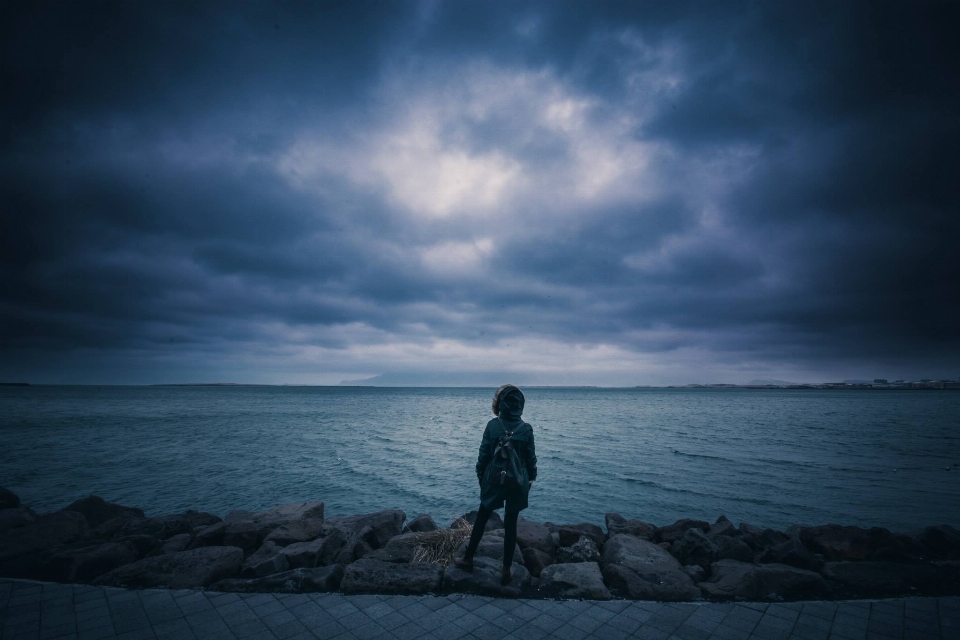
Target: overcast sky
(479, 192)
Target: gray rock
(112, 527)
(729, 548)
(238, 515)
(836, 542)
(185, 570)
(265, 561)
(884, 579)
(583, 550)
(377, 576)
(146, 545)
(373, 528)
(494, 522)
(8, 499)
(617, 524)
(398, 548)
(211, 535)
(570, 533)
(45, 533)
(722, 527)
(695, 548)
(421, 524)
(297, 531)
(644, 571)
(732, 579)
(177, 543)
(535, 535)
(491, 546)
(574, 580)
(941, 541)
(793, 553)
(97, 510)
(535, 560)
(284, 514)
(485, 578)
(673, 532)
(319, 579)
(337, 547)
(88, 562)
(696, 572)
(163, 527)
(15, 517)
(247, 535)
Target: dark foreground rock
(85, 563)
(731, 579)
(485, 579)
(265, 561)
(673, 532)
(569, 534)
(793, 553)
(167, 526)
(645, 571)
(373, 528)
(941, 542)
(184, 570)
(319, 579)
(46, 533)
(535, 535)
(16, 517)
(583, 550)
(97, 510)
(298, 531)
(574, 580)
(836, 542)
(885, 579)
(8, 499)
(377, 576)
(536, 561)
(617, 524)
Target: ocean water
(768, 457)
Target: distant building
(880, 381)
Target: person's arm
(531, 459)
(483, 458)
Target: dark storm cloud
(284, 191)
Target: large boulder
(673, 532)
(47, 532)
(146, 545)
(837, 542)
(167, 526)
(297, 531)
(569, 534)
(730, 548)
(536, 561)
(722, 527)
(15, 517)
(485, 578)
(377, 576)
(86, 563)
(617, 524)
(644, 571)
(337, 547)
(265, 561)
(493, 522)
(112, 527)
(941, 541)
(583, 550)
(373, 528)
(176, 544)
(793, 553)
(695, 548)
(574, 580)
(294, 581)
(398, 548)
(97, 510)
(8, 499)
(421, 524)
(884, 579)
(185, 570)
(760, 539)
(731, 579)
(536, 535)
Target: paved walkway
(46, 610)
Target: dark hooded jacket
(493, 496)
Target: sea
(769, 457)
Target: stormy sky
(478, 192)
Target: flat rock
(97, 510)
(8, 499)
(535, 560)
(167, 526)
(534, 534)
(574, 580)
(421, 524)
(377, 576)
(645, 571)
(485, 579)
(15, 517)
(837, 542)
(617, 524)
(695, 548)
(318, 579)
(265, 561)
(583, 550)
(494, 522)
(673, 532)
(731, 579)
(373, 528)
(297, 531)
(46, 532)
(185, 570)
(569, 534)
(793, 553)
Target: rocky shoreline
(294, 548)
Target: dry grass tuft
(440, 545)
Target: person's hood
(511, 405)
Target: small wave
(700, 455)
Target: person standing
(495, 494)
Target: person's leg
(483, 514)
(509, 542)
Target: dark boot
(464, 562)
(505, 576)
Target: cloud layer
(580, 193)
